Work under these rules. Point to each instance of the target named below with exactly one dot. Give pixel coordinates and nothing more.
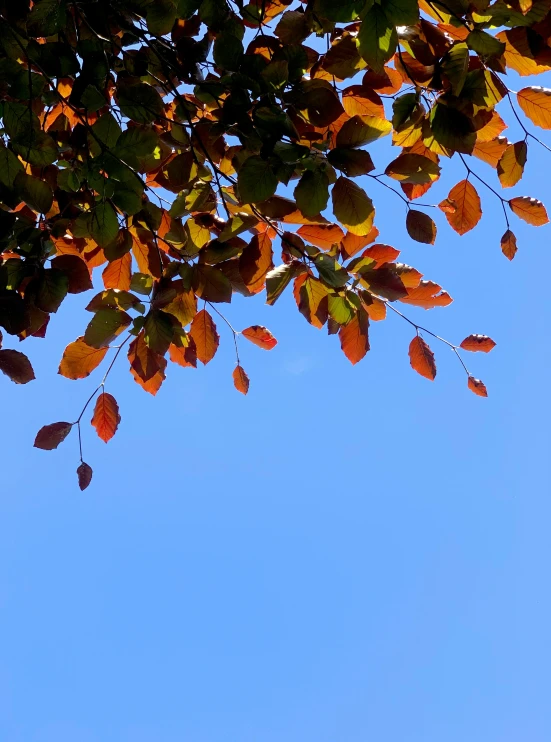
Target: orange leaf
(323, 236)
(427, 295)
(79, 359)
(311, 296)
(153, 384)
(354, 337)
(536, 104)
(118, 274)
(84, 474)
(381, 254)
(477, 386)
(144, 362)
(206, 338)
(352, 243)
(467, 207)
(240, 380)
(511, 165)
(147, 257)
(255, 262)
(260, 336)
(184, 355)
(361, 101)
(421, 358)
(106, 416)
(491, 151)
(509, 244)
(529, 210)
(478, 342)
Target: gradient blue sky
(347, 554)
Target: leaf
(183, 306)
(145, 363)
(159, 331)
(413, 168)
(183, 351)
(536, 104)
(76, 271)
(50, 436)
(106, 418)
(17, 366)
(104, 225)
(255, 262)
(352, 162)
(509, 244)
(80, 359)
(511, 165)
(477, 386)
(484, 43)
(377, 38)
(211, 284)
(476, 343)
(421, 358)
(153, 384)
(466, 209)
(256, 180)
(106, 325)
(323, 236)
(206, 338)
(420, 227)
(84, 474)
(311, 296)
(118, 273)
(312, 192)
(52, 289)
(240, 380)
(140, 102)
(352, 207)
(35, 192)
(529, 210)
(361, 130)
(354, 337)
(260, 336)
(455, 66)
(278, 279)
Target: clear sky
(347, 554)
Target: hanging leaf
(260, 336)
(420, 227)
(536, 104)
(421, 358)
(354, 337)
(377, 38)
(50, 436)
(509, 244)
(240, 380)
(16, 366)
(529, 210)
(462, 207)
(477, 386)
(352, 207)
(510, 168)
(118, 273)
(256, 180)
(84, 474)
(204, 334)
(476, 343)
(106, 418)
(80, 359)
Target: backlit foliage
(167, 154)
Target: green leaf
(35, 192)
(279, 278)
(159, 331)
(36, 147)
(211, 284)
(256, 180)
(361, 130)
(52, 289)
(331, 272)
(104, 225)
(455, 66)
(141, 283)
(352, 207)
(342, 11)
(228, 52)
(312, 192)
(484, 43)
(105, 326)
(140, 102)
(161, 16)
(10, 166)
(135, 142)
(377, 38)
(352, 162)
(340, 309)
(402, 12)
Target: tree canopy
(167, 154)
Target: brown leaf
(79, 359)
(255, 262)
(509, 244)
(106, 416)
(529, 210)
(153, 384)
(144, 362)
(206, 338)
(76, 270)
(17, 366)
(240, 380)
(478, 342)
(354, 337)
(467, 211)
(50, 436)
(420, 227)
(260, 336)
(421, 358)
(477, 386)
(84, 474)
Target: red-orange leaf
(529, 210)
(421, 358)
(260, 336)
(240, 380)
(153, 384)
(467, 211)
(50, 436)
(106, 417)
(84, 474)
(477, 386)
(118, 273)
(354, 337)
(206, 338)
(509, 244)
(79, 359)
(323, 236)
(478, 342)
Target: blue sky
(348, 553)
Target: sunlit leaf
(421, 358)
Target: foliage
(152, 139)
